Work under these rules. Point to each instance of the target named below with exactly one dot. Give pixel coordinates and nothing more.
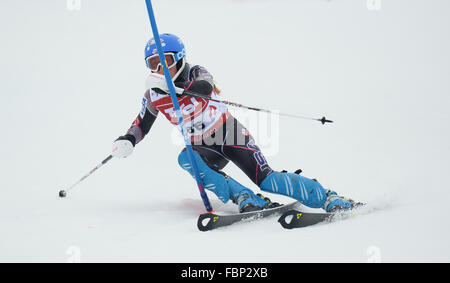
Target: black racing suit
(237, 144)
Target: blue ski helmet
(170, 43)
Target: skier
(217, 138)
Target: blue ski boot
(335, 203)
(248, 201)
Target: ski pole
(157, 83)
(194, 94)
(63, 193)
(176, 106)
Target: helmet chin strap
(180, 70)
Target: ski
(210, 221)
(298, 219)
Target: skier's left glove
(158, 83)
(202, 87)
(123, 146)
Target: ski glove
(202, 88)
(123, 146)
(158, 83)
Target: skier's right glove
(123, 146)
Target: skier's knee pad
(212, 180)
(307, 191)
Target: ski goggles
(153, 61)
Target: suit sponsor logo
(144, 107)
(259, 157)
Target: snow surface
(71, 82)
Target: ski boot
(248, 201)
(335, 203)
(269, 204)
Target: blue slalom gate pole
(176, 106)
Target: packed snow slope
(72, 80)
